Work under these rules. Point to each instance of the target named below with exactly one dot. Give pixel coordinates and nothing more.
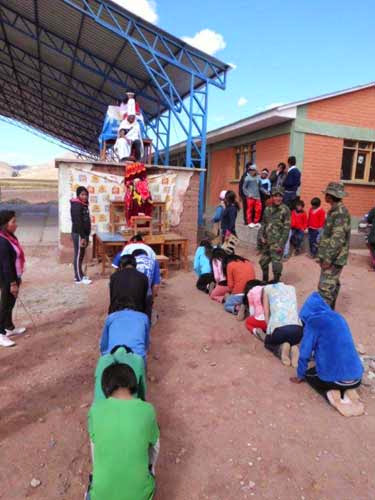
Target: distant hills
(42, 171)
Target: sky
(281, 51)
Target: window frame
(243, 154)
(369, 153)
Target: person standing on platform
(251, 189)
(292, 182)
(277, 177)
(265, 187)
(12, 263)
(242, 194)
(81, 229)
(274, 234)
(333, 250)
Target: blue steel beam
(6, 41)
(120, 18)
(84, 57)
(44, 135)
(82, 21)
(54, 74)
(27, 81)
(160, 127)
(58, 123)
(36, 15)
(51, 110)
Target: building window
(358, 161)
(244, 154)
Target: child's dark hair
(292, 161)
(5, 217)
(207, 248)
(124, 303)
(219, 253)
(300, 203)
(282, 165)
(232, 258)
(127, 260)
(230, 199)
(119, 376)
(315, 202)
(81, 189)
(137, 237)
(249, 285)
(139, 251)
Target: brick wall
(221, 174)
(188, 226)
(356, 109)
(272, 151)
(322, 164)
(269, 153)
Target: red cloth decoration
(137, 197)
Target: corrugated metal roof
(67, 67)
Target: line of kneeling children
(316, 341)
(123, 428)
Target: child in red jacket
(315, 223)
(298, 226)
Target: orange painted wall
(221, 173)
(356, 109)
(272, 151)
(322, 164)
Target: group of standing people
(282, 222)
(255, 189)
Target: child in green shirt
(120, 355)
(124, 437)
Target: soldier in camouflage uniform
(333, 248)
(274, 234)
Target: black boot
(266, 275)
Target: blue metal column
(196, 140)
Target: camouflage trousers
(329, 284)
(270, 255)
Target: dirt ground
(232, 425)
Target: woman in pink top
(256, 317)
(220, 287)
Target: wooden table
(177, 249)
(106, 245)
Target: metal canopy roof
(62, 62)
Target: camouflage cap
(277, 190)
(336, 189)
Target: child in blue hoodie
(202, 265)
(338, 369)
(126, 327)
